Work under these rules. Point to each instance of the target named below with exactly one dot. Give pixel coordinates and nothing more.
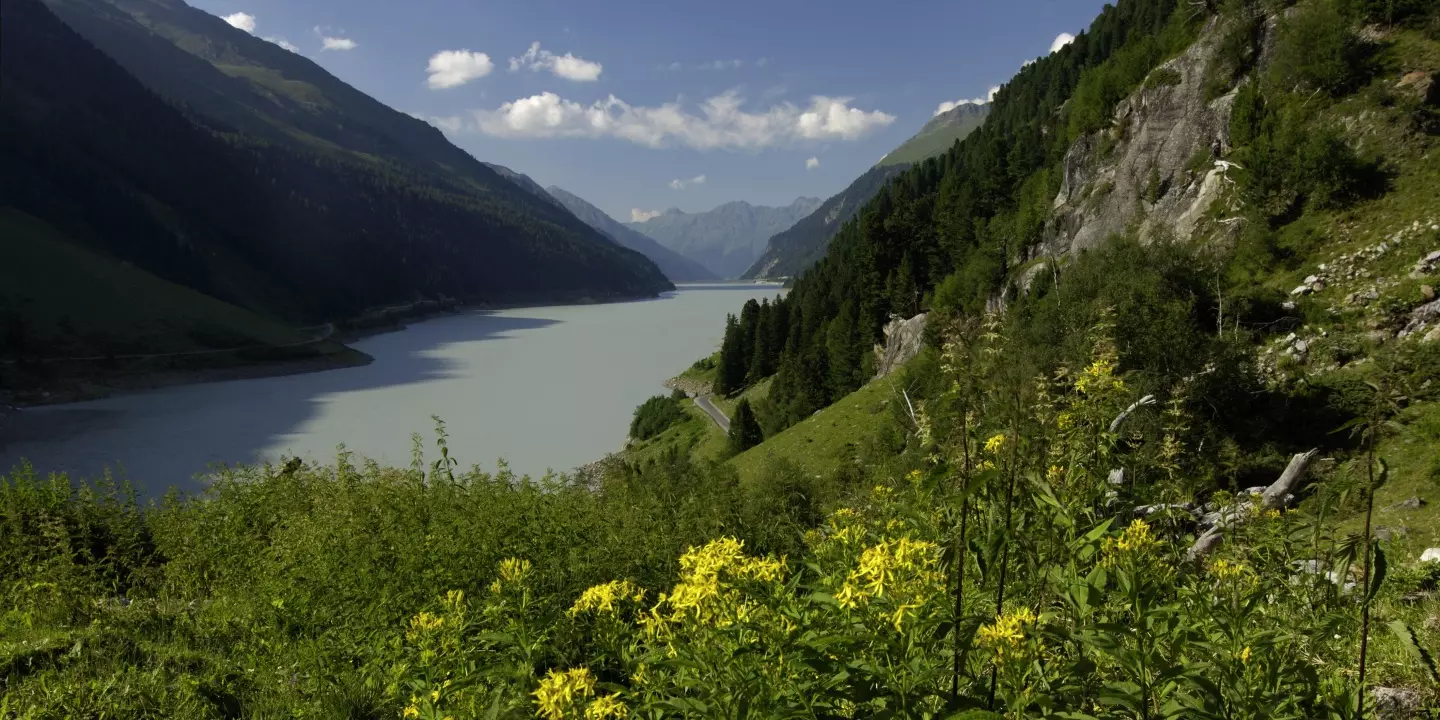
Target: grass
(1410, 451)
(825, 441)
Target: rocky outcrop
(903, 340)
(1158, 167)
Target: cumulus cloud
(722, 65)
(814, 162)
(337, 43)
(681, 184)
(282, 42)
(453, 68)
(721, 122)
(565, 66)
(949, 105)
(638, 215)
(1061, 41)
(243, 21)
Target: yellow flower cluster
(512, 571)
(1232, 573)
(995, 443)
(1099, 377)
(424, 624)
(603, 599)
(606, 706)
(1065, 420)
(701, 593)
(1006, 635)
(1055, 474)
(1136, 543)
(902, 570)
(561, 691)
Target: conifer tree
(730, 376)
(745, 431)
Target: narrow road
(703, 402)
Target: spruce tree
(745, 431)
(730, 376)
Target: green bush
(1318, 50)
(653, 416)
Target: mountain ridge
(677, 267)
(728, 238)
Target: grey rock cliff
(1157, 168)
(903, 341)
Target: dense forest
(303, 236)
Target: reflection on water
(544, 388)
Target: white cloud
(721, 122)
(282, 42)
(1061, 41)
(453, 68)
(337, 43)
(682, 184)
(638, 215)
(448, 123)
(721, 65)
(814, 162)
(566, 66)
(762, 62)
(675, 66)
(243, 21)
(949, 105)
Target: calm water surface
(543, 388)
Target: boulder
(1430, 555)
(1395, 703)
(903, 341)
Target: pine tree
(745, 431)
(730, 377)
(761, 358)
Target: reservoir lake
(544, 388)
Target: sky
(639, 106)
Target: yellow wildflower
(1064, 420)
(560, 691)
(606, 706)
(901, 570)
(512, 571)
(434, 696)
(995, 443)
(915, 475)
(1245, 655)
(1006, 634)
(602, 599)
(1137, 542)
(410, 711)
(1055, 474)
(423, 624)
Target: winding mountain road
(703, 402)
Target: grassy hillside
(938, 134)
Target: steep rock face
(903, 341)
(1157, 169)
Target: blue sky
(629, 103)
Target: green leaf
(1381, 476)
(1412, 645)
(1378, 575)
(975, 715)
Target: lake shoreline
(82, 388)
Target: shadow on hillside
(163, 438)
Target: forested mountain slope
(295, 230)
(727, 239)
(802, 245)
(677, 267)
(791, 251)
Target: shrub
(1317, 50)
(653, 416)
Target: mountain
(213, 180)
(677, 267)
(800, 246)
(728, 239)
(789, 253)
(525, 183)
(939, 134)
